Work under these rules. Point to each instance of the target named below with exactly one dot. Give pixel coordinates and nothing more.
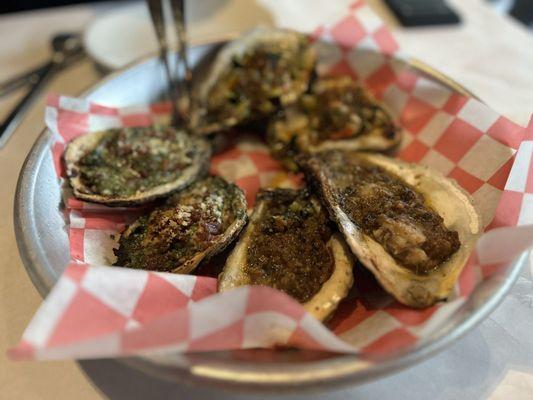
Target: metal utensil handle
(18, 81)
(158, 21)
(13, 119)
(178, 11)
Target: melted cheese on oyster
(269, 73)
(288, 247)
(336, 109)
(127, 161)
(189, 223)
(390, 211)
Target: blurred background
(522, 10)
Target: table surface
(490, 55)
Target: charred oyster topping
(390, 211)
(337, 113)
(129, 160)
(289, 250)
(193, 224)
(254, 75)
(410, 226)
(134, 165)
(289, 245)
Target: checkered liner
(96, 311)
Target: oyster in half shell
(336, 114)
(193, 225)
(288, 245)
(410, 226)
(128, 166)
(252, 76)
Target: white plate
(120, 36)
(125, 34)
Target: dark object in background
(423, 12)
(522, 10)
(7, 6)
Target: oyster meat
(336, 114)
(128, 166)
(194, 224)
(252, 76)
(410, 226)
(289, 245)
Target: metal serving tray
(43, 244)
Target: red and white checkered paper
(97, 311)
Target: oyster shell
(410, 226)
(252, 76)
(128, 166)
(336, 114)
(289, 245)
(194, 224)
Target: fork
(178, 12)
(184, 87)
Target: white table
(491, 55)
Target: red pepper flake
(342, 134)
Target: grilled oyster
(251, 76)
(193, 225)
(410, 226)
(336, 114)
(134, 165)
(289, 246)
